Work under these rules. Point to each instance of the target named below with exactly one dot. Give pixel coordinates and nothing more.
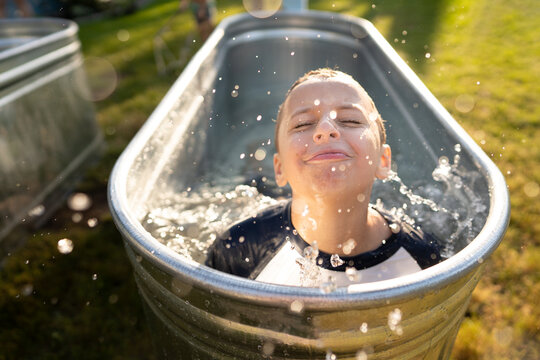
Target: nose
(326, 130)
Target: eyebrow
(302, 110)
(355, 106)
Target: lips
(328, 155)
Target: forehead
(327, 92)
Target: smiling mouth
(328, 156)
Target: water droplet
(394, 321)
(342, 167)
(297, 306)
(259, 117)
(234, 93)
(330, 355)
(94, 276)
(361, 197)
(394, 227)
(364, 327)
(242, 155)
(336, 261)
(464, 103)
(92, 222)
(113, 299)
(79, 202)
(443, 160)
(361, 355)
(373, 116)
(123, 35)
(333, 115)
(531, 189)
(428, 55)
(352, 274)
(261, 9)
(333, 168)
(27, 290)
(37, 211)
(260, 154)
(348, 246)
(268, 348)
(101, 78)
(355, 55)
(313, 223)
(241, 239)
(311, 253)
(65, 246)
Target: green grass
(51, 307)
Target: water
(446, 206)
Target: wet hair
(325, 74)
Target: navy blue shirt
(249, 246)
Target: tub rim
(57, 35)
(64, 29)
(394, 290)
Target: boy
(330, 142)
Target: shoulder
(244, 245)
(423, 247)
(271, 219)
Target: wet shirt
(267, 248)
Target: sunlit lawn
(85, 306)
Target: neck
(332, 223)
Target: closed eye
(301, 126)
(350, 122)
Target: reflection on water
(188, 222)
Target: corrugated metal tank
(48, 130)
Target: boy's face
(328, 142)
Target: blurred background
(479, 58)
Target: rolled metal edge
(394, 290)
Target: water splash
(454, 213)
(189, 221)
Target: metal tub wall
(200, 313)
(47, 123)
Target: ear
(385, 164)
(281, 180)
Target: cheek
(366, 146)
(299, 143)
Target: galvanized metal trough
(199, 313)
(48, 131)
